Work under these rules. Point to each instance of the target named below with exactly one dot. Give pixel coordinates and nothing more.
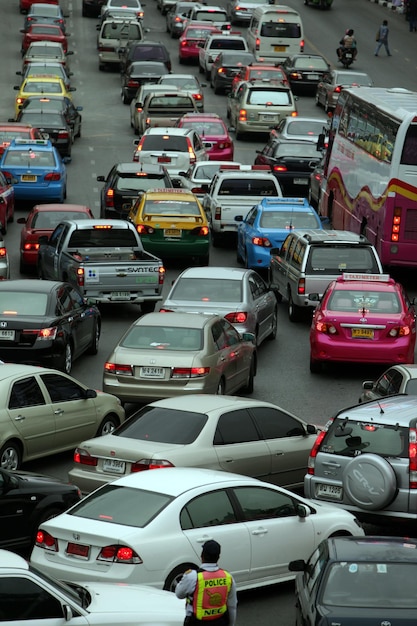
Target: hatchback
(174, 148)
(213, 132)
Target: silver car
(332, 83)
(199, 176)
(396, 379)
(4, 260)
(239, 295)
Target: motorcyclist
(348, 42)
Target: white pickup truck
(234, 190)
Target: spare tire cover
(369, 482)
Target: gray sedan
(239, 295)
(332, 83)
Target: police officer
(210, 592)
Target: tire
(315, 366)
(207, 74)
(238, 134)
(294, 311)
(316, 100)
(10, 456)
(217, 90)
(175, 576)
(23, 268)
(39, 272)
(125, 99)
(238, 257)
(107, 426)
(221, 388)
(3, 229)
(370, 482)
(215, 239)
(245, 259)
(327, 108)
(64, 363)
(147, 307)
(248, 388)
(93, 348)
(274, 326)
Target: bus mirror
(321, 141)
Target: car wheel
(65, 193)
(294, 311)
(245, 259)
(101, 67)
(327, 107)
(125, 99)
(238, 134)
(217, 89)
(200, 69)
(377, 490)
(93, 348)
(147, 307)
(175, 576)
(10, 456)
(315, 366)
(274, 325)
(317, 101)
(221, 388)
(22, 266)
(64, 363)
(78, 135)
(238, 256)
(248, 388)
(108, 425)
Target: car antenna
(381, 410)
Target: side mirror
(79, 108)
(69, 53)
(367, 384)
(250, 337)
(239, 218)
(90, 393)
(101, 179)
(66, 159)
(314, 297)
(321, 142)
(21, 220)
(16, 87)
(43, 240)
(297, 566)
(72, 89)
(311, 429)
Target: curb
(389, 5)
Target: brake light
(218, 213)
(189, 372)
(221, 70)
(238, 317)
(412, 455)
(302, 45)
(3, 251)
(197, 96)
(106, 48)
(149, 464)
(224, 144)
(140, 15)
(396, 224)
(118, 369)
(161, 273)
(119, 554)
(325, 327)
(399, 331)
(243, 115)
(279, 168)
(132, 83)
(144, 230)
(80, 277)
(42, 333)
(263, 242)
(201, 231)
(52, 176)
(337, 89)
(84, 458)
(191, 152)
(109, 197)
(314, 451)
(184, 43)
(301, 289)
(63, 134)
(46, 541)
(257, 43)
(294, 114)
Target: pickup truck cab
(164, 109)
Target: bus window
(409, 153)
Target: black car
(144, 51)
(124, 184)
(292, 163)
(52, 124)
(226, 66)
(138, 73)
(56, 103)
(304, 71)
(46, 323)
(356, 581)
(92, 8)
(28, 499)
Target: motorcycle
(346, 58)
(322, 4)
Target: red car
(190, 40)
(260, 71)
(213, 131)
(25, 5)
(6, 203)
(42, 221)
(43, 32)
(12, 130)
(363, 318)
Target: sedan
(52, 68)
(44, 412)
(241, 296)
(30, 597)
(194, 35)
(226, 66)
(43, 32)
(162, 356)
(181, 432)
(39, 497)
(12, 130)
(213, 131)
(198, 177)
(56, 103)
(138, 73)
(176, 17)
(304, 71)
(46, 322)
(44, 13)
(6, 203)
(148, 528)
(53, 125)
(332, 83)
(396, 379)
(300, 129)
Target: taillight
(189, 372)
(218, 213)
(109, 198)
(80, 277)
(52, 176)
(3, 252)
(301, 289)
(149, 464)
(257, 43)
(325, 327)
(223, 145)
(46, 541)
(294, 114)
(119, 554)
(118, 369)
(396, 224)
(42, 333)
(132, 83)
(279, 168)
(412, 456)
(302, 45)
(200, 231)
(106, 48)
(161, 274)
(337, 89)
(191, 153)
(197, 96)
(296, 75)
(243, 115)
(63, 134)
(399, 331)
(238, 317)
(314, 452)
(263, 242)
(84, 458)
(142, 229)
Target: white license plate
(114, 466)
(301, 181)
(120, 295)
(268, 118)
(152, 372)
(329, 491)
(8, 335)
(313, 76)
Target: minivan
(275, 32)
(113, 36)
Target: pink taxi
(363, 318)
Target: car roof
(176, 320)
(372, 549)
(231, 273)
(31, 286)
(82, 208)
(331, 236)
(399, 409)
(11, 560)
(205, 403)
(130, 167)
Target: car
(40, 86)
(95, 604)
(159, 518)
(145, 51)
(36, 170)
(192, 36)
(24, 5)
(12, 130)
(304, 71)
(316, 181)
(363, 318)
(162, 356)
(266, 226)
(163, 109)
(177, 433)
(92, 8)
(133, 8)
(43, 32)
(226, 66)
(53, 125)
(172, 224)
(356, 579)
(59, 410)
(301, 129)
(42, 220)
(62, 104)
(176, 17)
(241, 296)
(213, 131)
(257, 106)
(214, 44)
(395, 380)
(186, 82)
(44, 13)
(48, 68)
(139, 73)
(7, 197)
(113, 36)
(136, 106)
(199, 175)
(332, 83)
(40, 498)
(259, 71)
(213, 14)
(125, 183)
(240, 12)
(292, 162)
(175, 148)
(45, 52)
(4, 261)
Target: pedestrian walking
(382, 38)
(412, 15)
(210, 591)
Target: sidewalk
(389, 5)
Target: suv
(365, 460)
(165, 109)
(175, 148)
(124, 184)
(144, 51)
(216, 43)
(310, 259)
(201, 12)
(113, 36)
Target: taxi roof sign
(374, 278)
(32, 142)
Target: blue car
(36, 170)
(266, 226)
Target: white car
(131, 8)
(149, 528)
(30, 597)
(198, 177)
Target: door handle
(19, 418)
(260, 531)
(58, 412)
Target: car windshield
(198, 33)
(305, 128)
(168, 102)
(309, 63)
(121, 505)
(42, 29)
(210, 290)
(138, 182)
(29, 158)
(227, 44)
(45, 11)
(247, 187)
(371, 585)
(347, 437)
(335, 260)
(287, 220)
(49, 219)
(269, 97)
(45, 51)
(121, 30)
(204, 172)
(171, 207)
(165, 143)
(19, 303)
(162, 425)
(163, 338)
(355, 300)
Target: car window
(159, 338)
(163, 426)
(171, 207)
(281, 29)
(29, 158)
(269, 97)
(232, 335)
(411, 387)
(218, 335)
(389, 383)
(274, 424)
(235, 427)
(22, 599)
(209, 290)
(259, 503)
(164, 142)
(62, 389)
(26, 393)
(210, 509)
(338, 259)
(381, 439)
(247, 187)
(315, 566)
(371, 301)
(23, 303)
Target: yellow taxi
(172, 224)
(40, 86)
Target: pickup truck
(105, 259)
(234, 190)
(164, 109)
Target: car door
(15, 509)
(234, 357)
(279, 265)
(49, 253)
(78, 322)
(264, 303)
(245, 232)
(308, 586)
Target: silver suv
(365, 460)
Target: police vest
(210, 595)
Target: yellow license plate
(28, 178)
(364, 333)
(280, 48)
(172, 232)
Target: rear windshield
(209, 290)
(48, 220)
(198, 33)
(171, 207)
(306, 150)
(272, 97)
(350, 438)
(334, 260)
(161, 142)
(159, 338)
(45, 51)
(357, 300)
(205, 128)
(247, 187)
(227, 44)
(138, 183)
(163, 425)
(170, 102)
(148, 53)
(314, 64)
(42, 87)
(51, 120)
(287, 220)
(102, 238)
(309, 128)
(29, 159)
(281, 29)
(210, 16)
(118, 30)
(18, 303)
(45, 10)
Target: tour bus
(370, 170)
(275, 33)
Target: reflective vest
(210, 595)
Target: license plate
(348, 55)
(268, 118)
(28, 178)
(120, 295)
(164, 159)
(146, 280)
(113, 466)
(301, 181)
(280, 48)
(313, 77)
(8, 335)
(152, 372)
(365, 333)
(77, 549)
(172, 232)
(329, 491)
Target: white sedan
(29, 597)
(149, 528)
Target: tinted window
(310, 63)
(124, 30)
(235, 427)
(409, 153)
(26, 393)
(209, 290)
(22, 599)
(23, 303)
(211, 509)
(287, 220)
(159, 338)
(103, 238)
(269, 96)
(381, 439)
(62, 389)
(280, 29)
(274, 424)
(339, 259)
(135, 182)
(163, 425)
(164, 142)
(259, 503)
(247, 187)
